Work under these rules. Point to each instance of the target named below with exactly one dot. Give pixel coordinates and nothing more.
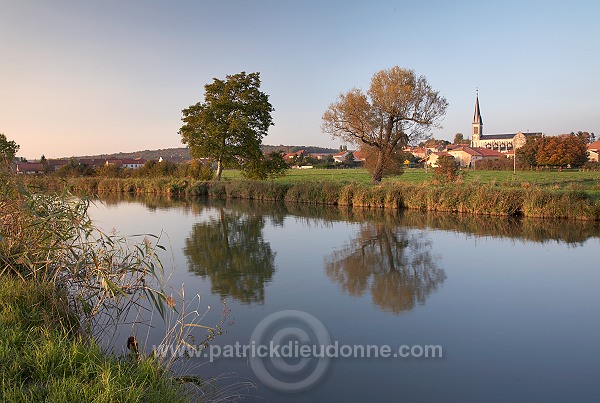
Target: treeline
(266, 149)
(182, 154)
(177, 155)
(506, 164)
(194, 169)
(565, 150)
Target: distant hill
(292, 149)
(182, 154)
(177, 155)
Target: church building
(501, 142)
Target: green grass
(566, 179)
(44, 358)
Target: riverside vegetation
(64, 283)
(565, 194)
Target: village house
(126, 163)
(56, 164)
(91, 162)
(468, 156)
(321, 156)
(29, 168)
(432, 158)
(418, 152)
(594, 151)
(359, 156)
(299, 154)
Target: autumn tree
(231, 122)
(458, 138)
(527, 154)
(395, 266)
(563, 150)
(399, 108)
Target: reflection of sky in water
(517, 319)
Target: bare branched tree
(399, 109)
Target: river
(506, 309)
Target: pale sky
(90, 77)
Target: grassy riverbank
(569, 195)
(48, 245)
(43, 357)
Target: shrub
(446, 169)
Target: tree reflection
(230, 250)
(395, 265)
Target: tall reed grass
(490, 198)
(90, 280)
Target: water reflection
(395, 265)
(537, 230)
(230, 250)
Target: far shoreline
(525, 199)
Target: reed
(487, 198)
(66, 283)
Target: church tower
(477, 125)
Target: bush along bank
(64, 282)
(472, 198)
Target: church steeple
(477, 115)
(477, 123)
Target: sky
(91, 77)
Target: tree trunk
(378, 172)
(219, 169)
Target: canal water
(402, 306)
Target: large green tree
(230, 124)
(8, 149)
(231, 251)
(398, 109)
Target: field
(588, 181)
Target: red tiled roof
(29, 167)
(467, 150)
(480, 151)
(486, 152)
(133, 161)
(594, 146)
(361, 155)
